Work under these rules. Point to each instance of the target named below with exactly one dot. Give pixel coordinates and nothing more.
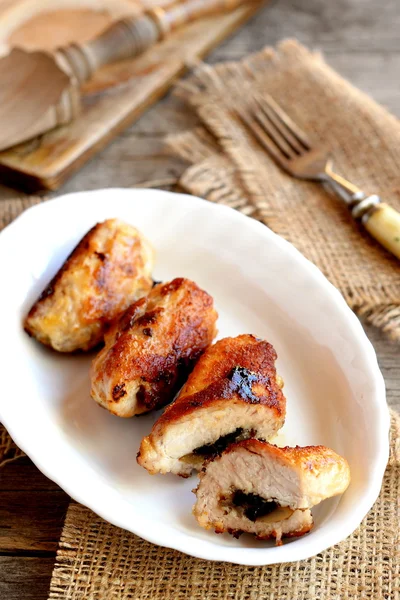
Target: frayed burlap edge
(96, 561)
(215, 178)
(222, 174)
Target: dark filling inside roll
(221, 443)
(253, 506)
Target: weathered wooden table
(360, 38)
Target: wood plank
(129, 160)
(371, 71)
(24, 578)
(388, 353)
(136, 84)
(128, 163)
(22, 475)
(348, 25)
(31, 521)
(29, 23)
(360, 39)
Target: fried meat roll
(108, 270)
(258, 488)
(152, 347)
(233, 393)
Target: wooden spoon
(40, 91)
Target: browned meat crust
(241, 367)
(313, 459)
(109, 269)
(258, 488)
(152, 347)
(233, 391)
(272, 535)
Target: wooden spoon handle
(124, 39)
(132, 36)
(190, 10)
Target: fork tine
(288, 136)
(267, 101)
(274, 133)
(262, 138)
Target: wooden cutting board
(117, 94)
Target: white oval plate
(261, 285)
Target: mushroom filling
(222, 442)
(199, 454)
(253, 505)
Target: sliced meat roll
(152, 347)
(109, 269)
(258, 488)
(233, 393)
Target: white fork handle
(383, 223)
(380, 220)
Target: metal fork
(293, 150)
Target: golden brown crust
(273, 535)
(241, 368)
(289, 534)
(73, 261)
(232, 392)
(284, 482)
(153, 346)
(298, 523)
(319, 472)
(108, 269)
(313, 459)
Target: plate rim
(379, 397)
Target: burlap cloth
(97, 561)
(230, 167)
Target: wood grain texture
(53, 97)
(43, 514)
(388, 353)
(24, 578)
(360, 39)
(23, 476)
(115, 97)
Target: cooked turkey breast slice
(109, 269)
(258, 488)
(232, 393)
(152, 347)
